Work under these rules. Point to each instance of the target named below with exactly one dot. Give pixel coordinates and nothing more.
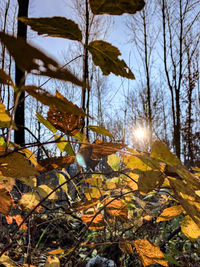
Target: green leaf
(171, 260)
(105, 56)
(5, 78)
(64, 145)
(32, 60)
(45, 122)
(2, 142)
(100, 130)
(116, 7)
(55, 27)
(46, 98)
(114, 162)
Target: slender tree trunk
(19, 135)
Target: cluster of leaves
(112, 208)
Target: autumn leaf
(44, 190)
(5, 118)
(55, 27)
(116, 208)
(106, 56)
(7, 182)
(97, 223)
(5, 201)
(126, 247)
(15, 165)
(32, 60)
(18, 219)
(56, 162)
(29, 200)
(100, 130)
(190, 228)
(53, 101)
(56, 251)
(170, 213)
(114, 162)
(46, 123)
(6, 261)
(149, 180)
(149, 253)
(52, 261)
(61, 180)
(116, 7)
(64, 145)
(104, 149)
(5, 78)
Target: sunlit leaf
(106, 56)
(5, 78)
(5, 201)
(53, 101)
(56, 162)
(96, 180)
(18, 218)
(5, 118)
(55, 27)
(15, 165)
(7, 182)
(116, 208)
(56, 251)
(132, 181)
(97, 223)
(116, 7)
(52, 261)
(149, 253)
(100, 130)
(29, 200)
(92, 193)
(44, 190)
(114, 162)
(170, 213)
(6, 261)
(126, 247)
(45, 122)
(61, 180)
(64, 145)
(135, 163)
(190, 228)
(32, 60)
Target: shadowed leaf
(149, 180)
(116, 7)
(56, 162)
(32, 60)
(104, 149)
(55, 27)
(5, 201)
(52, 261)
(170, 213)
(190, 228)
(53, 101)
(149, 253)
(105, 56)
(64, 145)
(126, 247)
(5, 78)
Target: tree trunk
(19, 135)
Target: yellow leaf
(126, 247)
(62, 179)
(190, 228)
(52, 261)
(44, 190)
(100, 130)
(170, 213)
(149, 253)
(6, 261)
(114, 162)
(7, 182)
(5, 118)
(29, 200)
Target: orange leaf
(9, 219)
(149, 253)
(116, 208)
(170, 213)
(56, 251)
(18, 219)
(97, 223)
(5, 201)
